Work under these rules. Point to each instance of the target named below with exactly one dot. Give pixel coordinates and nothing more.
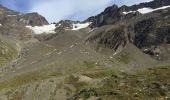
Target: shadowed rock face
(110, 16)
(142, 32)
(151, 35)
(112, 38)
(152, 30)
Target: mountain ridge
(116, 15)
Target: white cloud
(56, 10)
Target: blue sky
(56, 10)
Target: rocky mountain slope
(13, 23)
(122, 53)
(149, 32)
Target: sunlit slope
(7, 53)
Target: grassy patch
(26, 79)
(68, 91)
(75, 82)
(124, 58)
(7, 53)
(152, 83)
(52, 74)
(46, 49)
(20, 80)
(100, 73)
(17, 96)
(89, 64)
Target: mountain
(33, 19)
(11, 17)
(122, 53)
(146, 31)
(113, 14)
(13, 23)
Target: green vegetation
(75, 82)
(20, 80)
(101, 73)
(52, 74)
(17, 95)
(7, 53)
(68, 91)
(124, 58)
(26, 79)
(153, 83)
(89, 64)
(46, 49)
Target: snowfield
(43, 29)
(79, 26)
(146, 10)
(47, 29)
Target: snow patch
(128, 12)
(79, 26)
(146, 10)
(43, 29)
(11, 15)
(0, 24)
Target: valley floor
(67, 68)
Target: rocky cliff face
(113, 38)
(110, 16)
(151, 29)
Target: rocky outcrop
(113, 38)
(110, 16)
(151, 30)
(33, 19)
(65, 25)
